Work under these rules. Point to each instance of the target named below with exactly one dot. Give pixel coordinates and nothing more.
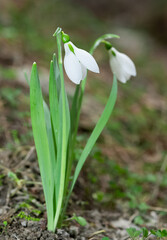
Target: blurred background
(131, 154)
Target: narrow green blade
(54, 79)
(74, 108)
(54, 103)
(41, 141)
(52, 147)
(57, 75)
(96, 132)
(64, 125)
(72, 135)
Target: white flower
(77, 61)
(121, 65)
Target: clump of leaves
(160, 234)
(133, 233)
(144, 233)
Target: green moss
(23, 215)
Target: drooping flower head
(77, 61)
(121, 65)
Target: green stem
(94, 136)
(83, 84)
(96, 132)
(64, 132)
(74, 121)
(73, 137)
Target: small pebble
(33, 223)
(24, 223)
(60, 231)
(74, 231)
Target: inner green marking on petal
(71, 47)
(113, 53)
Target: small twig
(133, 216)
(96, 233)
(27, 157)
(32, 182)
(5, 168)
(14, 235)
(8, 195)
(126, 238)
(158, 209)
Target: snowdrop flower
(77, 61)
(121, 65)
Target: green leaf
(72, 135)
(159, 233)
(153, 232)
(5, 223)
(52, 147)
(57, 75)
(164, 233)
(145, 232)
(74, 108)
(143, 206)
(137, 233)
(14, 177)
(105, 238)
(100, 39)
(57, 32)
(133, 233)
(99, 196)
(64, 126)
(138, 220)
(41, 141)
(97, 131)
(26, 78)
(82, 221)
(54, 103)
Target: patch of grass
(7, 73)
(124, 185)
(10, 95)
(27, 217)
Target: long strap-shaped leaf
(41, 142)
(96, 132)
(64, 125)
(54, 103)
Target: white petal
(84, 72)
(72, 66)
(86, 59)
(122, 66)
(116, 69)
(126, 62)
